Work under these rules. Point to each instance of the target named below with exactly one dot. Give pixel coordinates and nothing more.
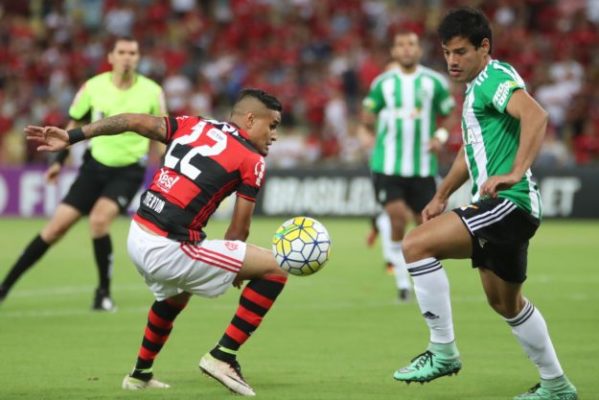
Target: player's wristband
(442, 135)
(58, 157)
(75, 135)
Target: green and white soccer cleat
(428, 366)
(554, 389)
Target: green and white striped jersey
(407, 107)
(492, 136)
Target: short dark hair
(270, 101)
(468, 23)
(402, 32)
(122, 38)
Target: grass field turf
(336, 335)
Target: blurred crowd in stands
(318, 56)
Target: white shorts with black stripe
(169, 267)
(500, 233)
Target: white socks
(432, 292)
(402, 277)
(531, 331)
(383, 224)
(392, 252)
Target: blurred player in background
(112, 171)
(380, 226)
(206, 161)
(401, 111)
(503, 128)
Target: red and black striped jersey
(205, 161)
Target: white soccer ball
(301, 246)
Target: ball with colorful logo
(301, 246)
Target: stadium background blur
(337, 335)
(318, 56)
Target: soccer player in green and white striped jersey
(402, 110)
(503, 127)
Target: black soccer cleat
(103, 301)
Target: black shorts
(415, 191)
(500, 233)
(96, 180)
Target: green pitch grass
(339, 334)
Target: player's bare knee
(415, 247)
(99, 224)
(179, 300)
(53, 233)
(503, 308)
(273, 268)
(276, 271)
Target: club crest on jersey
(423, 94)
(231, 246)
(166, 181)
(259, 171)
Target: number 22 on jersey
(206, 150)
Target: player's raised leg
(267, 280)
(63, 219)
(159, 326)
(439, 238)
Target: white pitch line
(79, 289)
(208, 305)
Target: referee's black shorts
(96, 180)
(500, 233)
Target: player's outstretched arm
(54, 139)
(143, 124)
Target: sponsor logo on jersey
(416, 112)
(166, 181)
(259, 171)
(502, 92)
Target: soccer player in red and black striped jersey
(205, 161)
